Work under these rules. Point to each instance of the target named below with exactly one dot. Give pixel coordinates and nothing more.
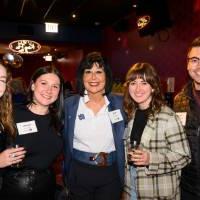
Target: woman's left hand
(140, 157)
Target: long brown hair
(148, 73)
(6, 114)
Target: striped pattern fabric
(165, 139)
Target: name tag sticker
(26, 127)
(115, 116)
(182, 116)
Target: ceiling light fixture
(74, 16)
(143, 21)
(97, 23)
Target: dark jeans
(28, 184)
(89, 182)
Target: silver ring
(12, 155)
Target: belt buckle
(103, 159)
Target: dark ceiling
(89, 12)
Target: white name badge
(182, 116)
(26, 127)
(115, 116)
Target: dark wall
(166, 50)
(37, 32)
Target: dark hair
(194, 43)
(6, 114)
(56, 109)
(148, 73)
(87, 63)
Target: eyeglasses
(194, 61)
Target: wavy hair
(6, 108)
(148, 73)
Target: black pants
(89, 182)
(28, 184)
(185, 195)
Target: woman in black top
(38, 124)
(7, 130)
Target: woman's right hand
(139, 157)
(11, 156)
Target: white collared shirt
(93, 132)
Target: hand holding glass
(17, 156)
(131, 148)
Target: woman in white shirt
(94, 126)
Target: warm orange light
(143, 21)
(24, 46)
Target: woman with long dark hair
(38, 126)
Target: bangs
(95, 63)
(136, 75)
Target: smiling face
(193, 66)
(141, 92)
(46, 89)
(94, 80)
(3, 77)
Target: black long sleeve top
(43, 145)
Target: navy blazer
(71, 107)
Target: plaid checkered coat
(164, 138)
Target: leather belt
(101, 159)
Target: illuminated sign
(143, 21)
(51, 27)
(24, 46)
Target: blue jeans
(133, 183)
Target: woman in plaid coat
(155, 132)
